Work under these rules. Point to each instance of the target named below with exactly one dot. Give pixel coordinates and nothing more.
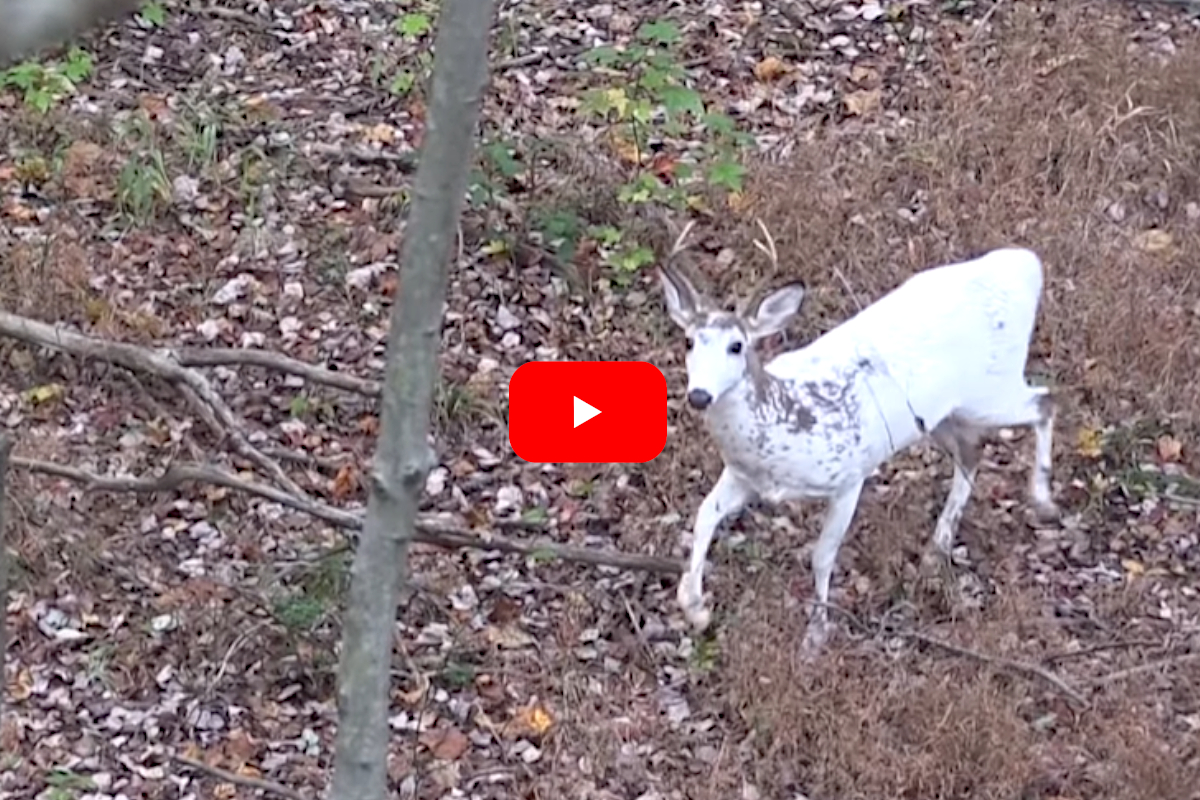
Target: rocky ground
(237, 176)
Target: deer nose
(699, 399)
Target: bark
(5, 447)
(26, 26)
(403, 456)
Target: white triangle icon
(583, 411)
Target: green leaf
(659, 32)
(79, 65)
(154, 14)
(681, 100)
(727, 174)
(606, 56)
(501, 157)
(535, 515)
(719, 123)
(413, 25)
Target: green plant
(319, 590)
(153, 14)
(645, 100)
(143, 187)
(198, 133)
(43, 85)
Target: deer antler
(768, 249)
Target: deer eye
(690, 342)
(735, 348)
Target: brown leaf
(769, 69)
(1170, 449)
(369, 425)
(504, 611)
(82, 173)
(345, 483)
(529, 722)
(862, 102)
(1154, 240)
(447, 743)
(19, 211)
(862, 74)
(508, 637)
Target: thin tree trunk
(29, 25)
(5, 447)
(403, 456)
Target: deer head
(720, 342)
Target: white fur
(944, 354)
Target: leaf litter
(205, 624)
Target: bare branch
(162, 362)
(432, 529)
(1021, 667)
(270, 787)
(1141, 669)
(223, 356)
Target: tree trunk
(403, 456)
(5, 447)
(29, 25)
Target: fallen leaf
(1154, 240)
(860, 73)
(447, 744)
(738, 202)
(626, 149)
(862, 102)
(1089, 442)
(345, 482)
(43, 394)
(19, 211)
(22, 686)
(508, 637)
(769, 69)
(1133, 568)
(1169, 448)
(369, 425)
(530, 721)
(382, 133)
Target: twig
(1014, 666)
(223, 356)
(1112, 677)
(163, 362)
(432, 529)
(1098, 648)
(530, 59)
(242, 780)
(985, 20)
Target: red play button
(587, 411)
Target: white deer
(942, 354)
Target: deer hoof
(815, 638)
(692, 604)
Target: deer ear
(683, 302)
(776, 310)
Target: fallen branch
(224, 356)
(1022, 667)
(1141, 669)
(162, 362)
(262, 785)
(1066, 655)
(432, 529)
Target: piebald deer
(942, 354)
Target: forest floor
(236, 176)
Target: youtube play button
(587, 411)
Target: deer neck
(759, 403)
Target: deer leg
(824, 556)
(727, 497)
(1030, 406)
(962, 443)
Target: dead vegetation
(1052, 134)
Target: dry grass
(1061, 141)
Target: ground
(235, 176)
